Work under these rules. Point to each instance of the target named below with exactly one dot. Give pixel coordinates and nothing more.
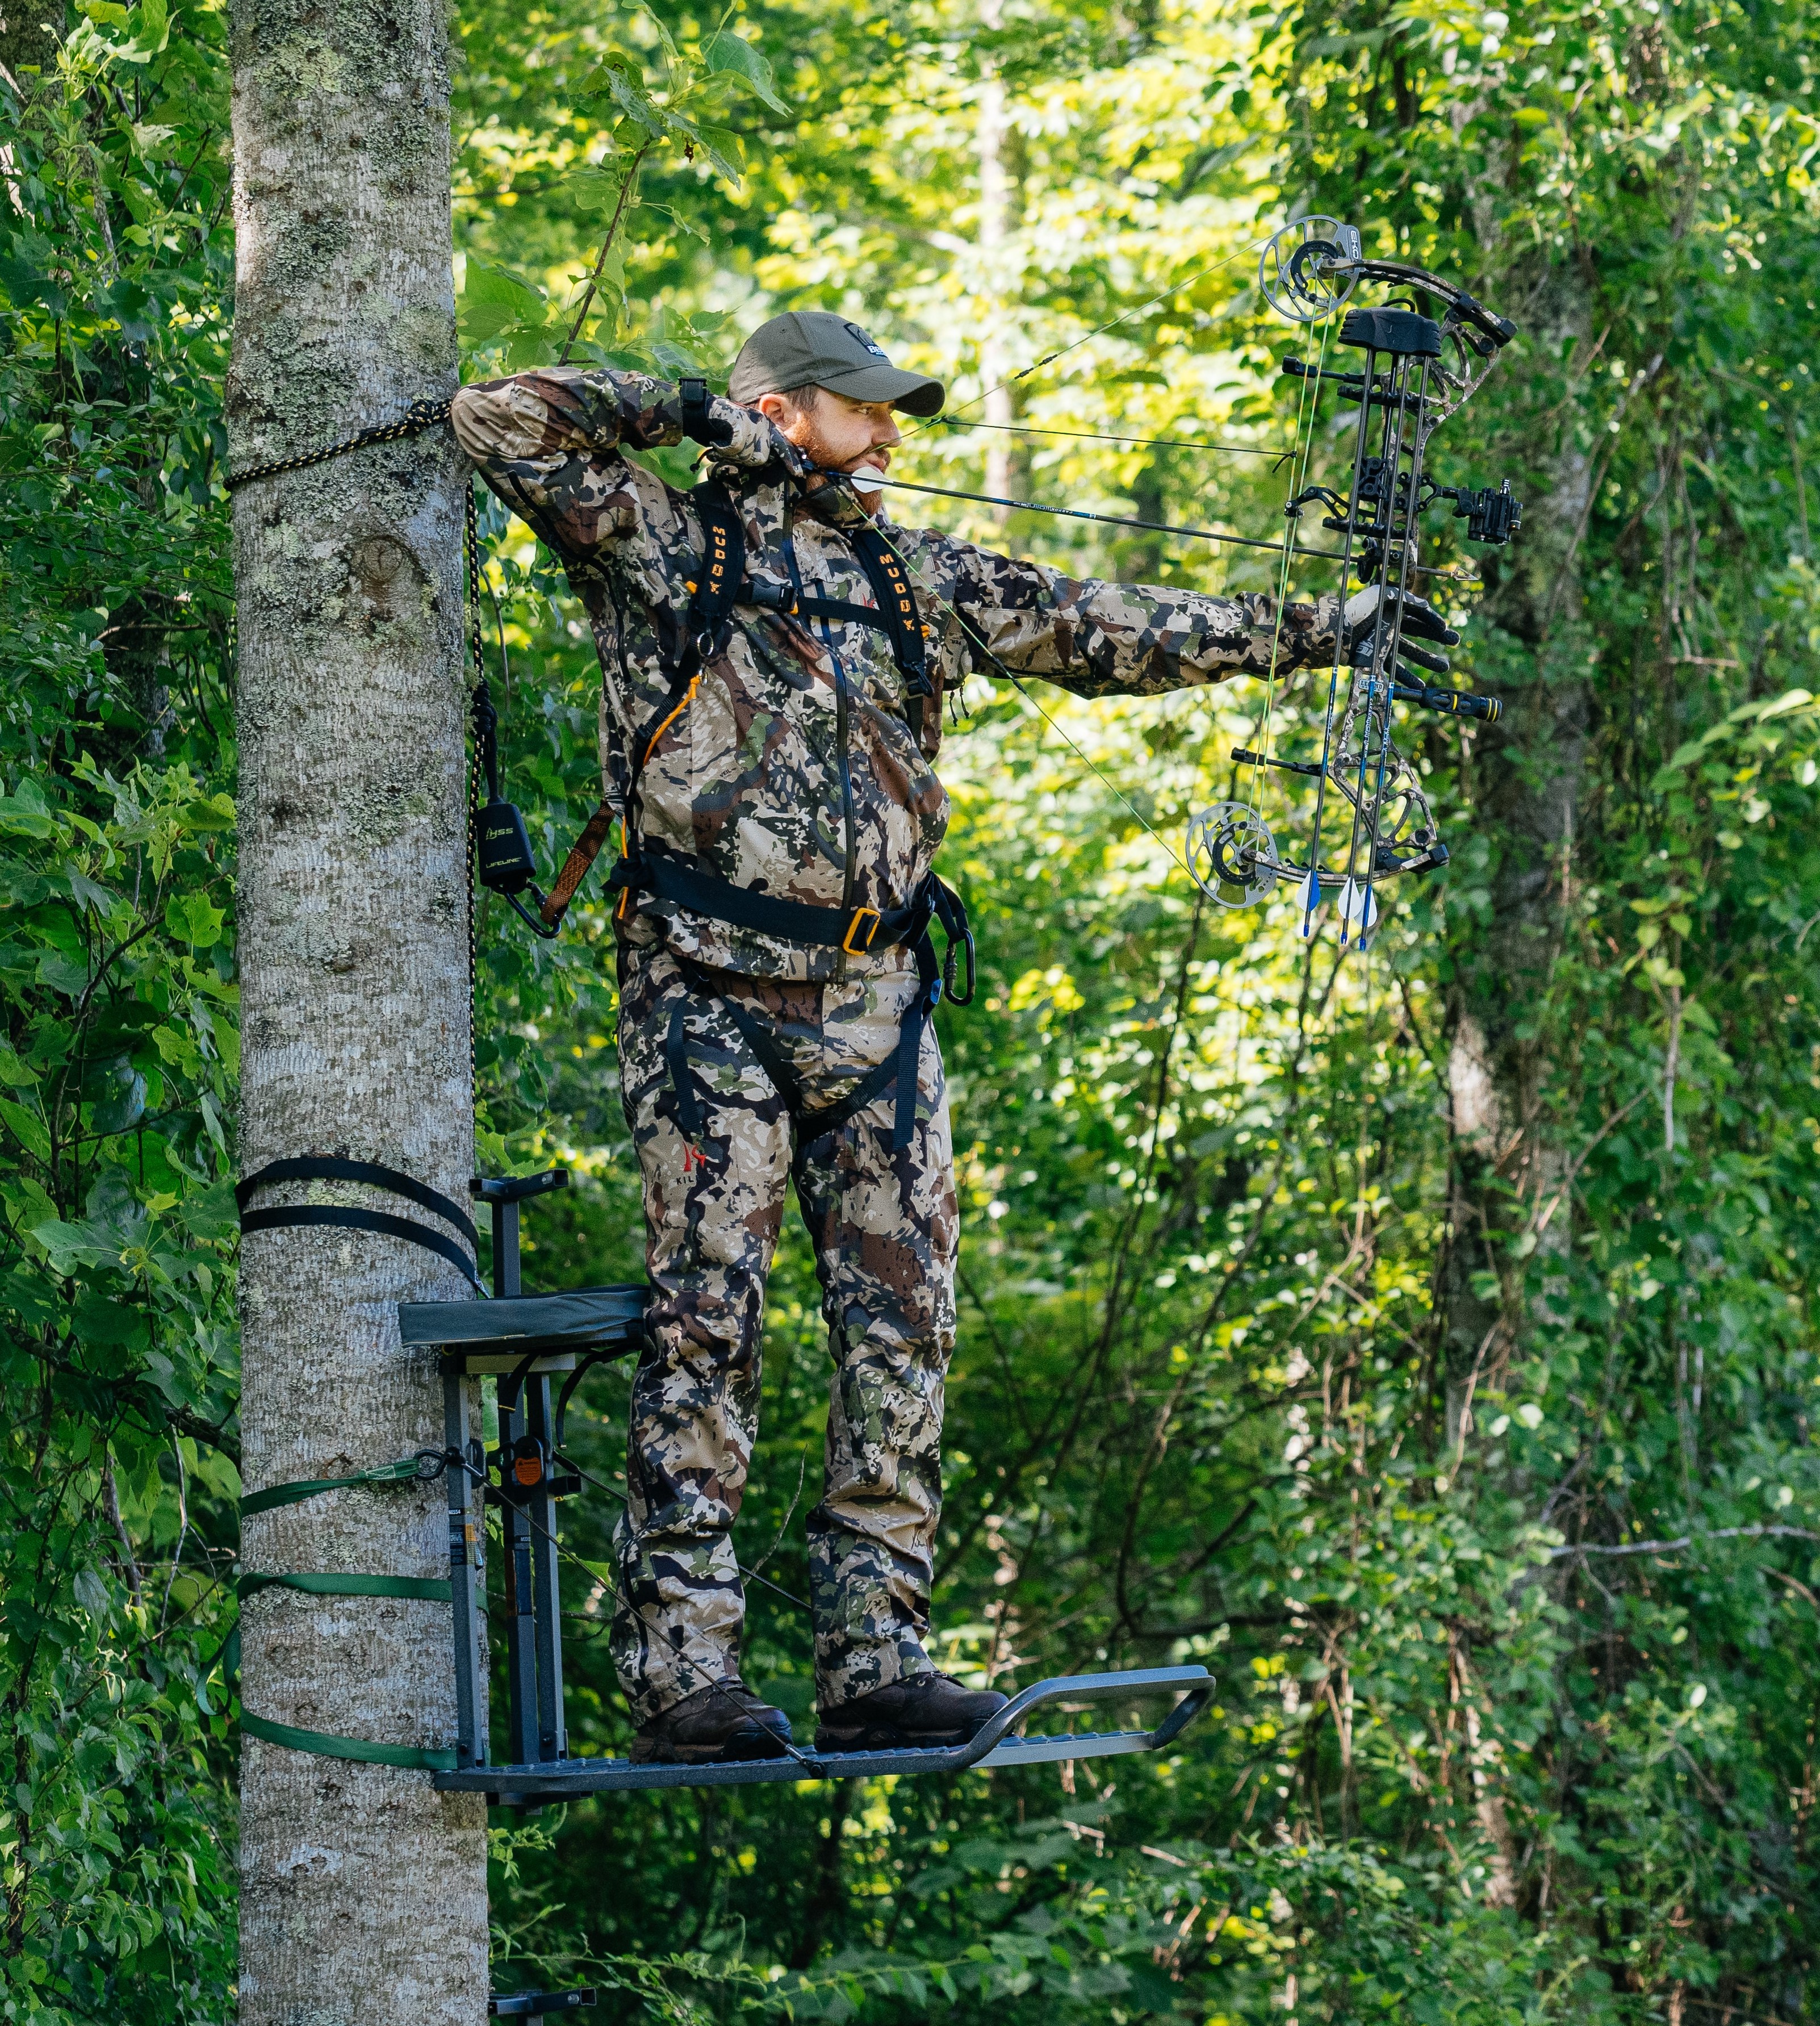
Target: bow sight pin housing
(1492, 514)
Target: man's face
(844, 435)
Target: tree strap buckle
(860, 916)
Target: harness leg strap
(689, 1112)
(898, 1068)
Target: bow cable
(1141, 443)
(1292, 524)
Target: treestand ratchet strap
(425, 1466)
(312, 1167)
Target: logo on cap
(868, 342)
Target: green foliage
(119, 1046)
(1431, 1349)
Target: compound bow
(1417, 371)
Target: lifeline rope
(420, 416)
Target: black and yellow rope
(420, 416)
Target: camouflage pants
(883, 1225)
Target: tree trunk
(363, 1891)
(997, 409)
(1509, 1166)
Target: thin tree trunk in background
(995, 363)
(363, 1892)
(1509, 1161)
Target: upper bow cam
(1424, 356)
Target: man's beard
(867, 482)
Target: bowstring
(1305, 407)
(1307, 410)
(1018, 678)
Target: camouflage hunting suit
(797, 765)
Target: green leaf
(495, 301)
(73, 1246)
(191, 919)
(25, 816)
(102, 1319)
(15, 1072)
(484, 321)
(27, 1128)
(617, 77)
(67, 974)
(722, 147)
(596, 190)
(729, 55)
(209, 812)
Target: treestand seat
(495, 1336)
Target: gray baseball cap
(815, 348)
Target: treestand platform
(523, 1342)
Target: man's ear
(776, 408)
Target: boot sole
(881, 1738)
(746, 1744)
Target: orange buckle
(859, 915)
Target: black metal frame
(993, 1746)
(523, 1341)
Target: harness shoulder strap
(897, 605)
(711, 599)
(716, 592)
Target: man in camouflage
(794, 762)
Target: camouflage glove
(1420, 621)
(752, 441)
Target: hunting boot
(725, 1720)
(922, 1710)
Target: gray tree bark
(363, 1892)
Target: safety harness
(645, 871)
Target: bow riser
(1417, 371)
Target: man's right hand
(754, 442)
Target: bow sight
(1417, 369)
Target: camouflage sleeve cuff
(1308, 632)
(557, 410)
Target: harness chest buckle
(854, 928)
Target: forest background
(1428, 1346)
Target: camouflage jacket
(800, 767)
